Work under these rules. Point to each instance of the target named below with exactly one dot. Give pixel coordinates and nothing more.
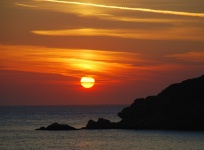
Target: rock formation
(56, 126)
(178, 107)
(101, 124)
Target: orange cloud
(24, 5)
(129, 8)
(105, 65)
(68, 62)
(189, 57)
(165, 34)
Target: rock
(101, 124)
(41, 128)
(56, 126)
(178, 107)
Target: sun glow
(105, 65)
(87, 82)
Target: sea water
(18, 124)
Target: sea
(18, 124)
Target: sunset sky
(132, 49)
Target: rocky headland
(178, 107)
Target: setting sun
(87, 82)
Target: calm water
(17, 126)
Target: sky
(132, 49)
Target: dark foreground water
(17, 132)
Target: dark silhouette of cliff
(178, 107)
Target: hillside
(178, 107)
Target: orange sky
(133, 49)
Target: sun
(87, 82)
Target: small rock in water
(56, 126)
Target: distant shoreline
(177, 107)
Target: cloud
(169, 12)
(105, 65)
(197, 57)
(69, 62)
(24, 5)
(184, 33)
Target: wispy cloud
(24, 5)
(105, 65)
(169, 12)
(165, 34)
(189, 57)
(71, 62)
